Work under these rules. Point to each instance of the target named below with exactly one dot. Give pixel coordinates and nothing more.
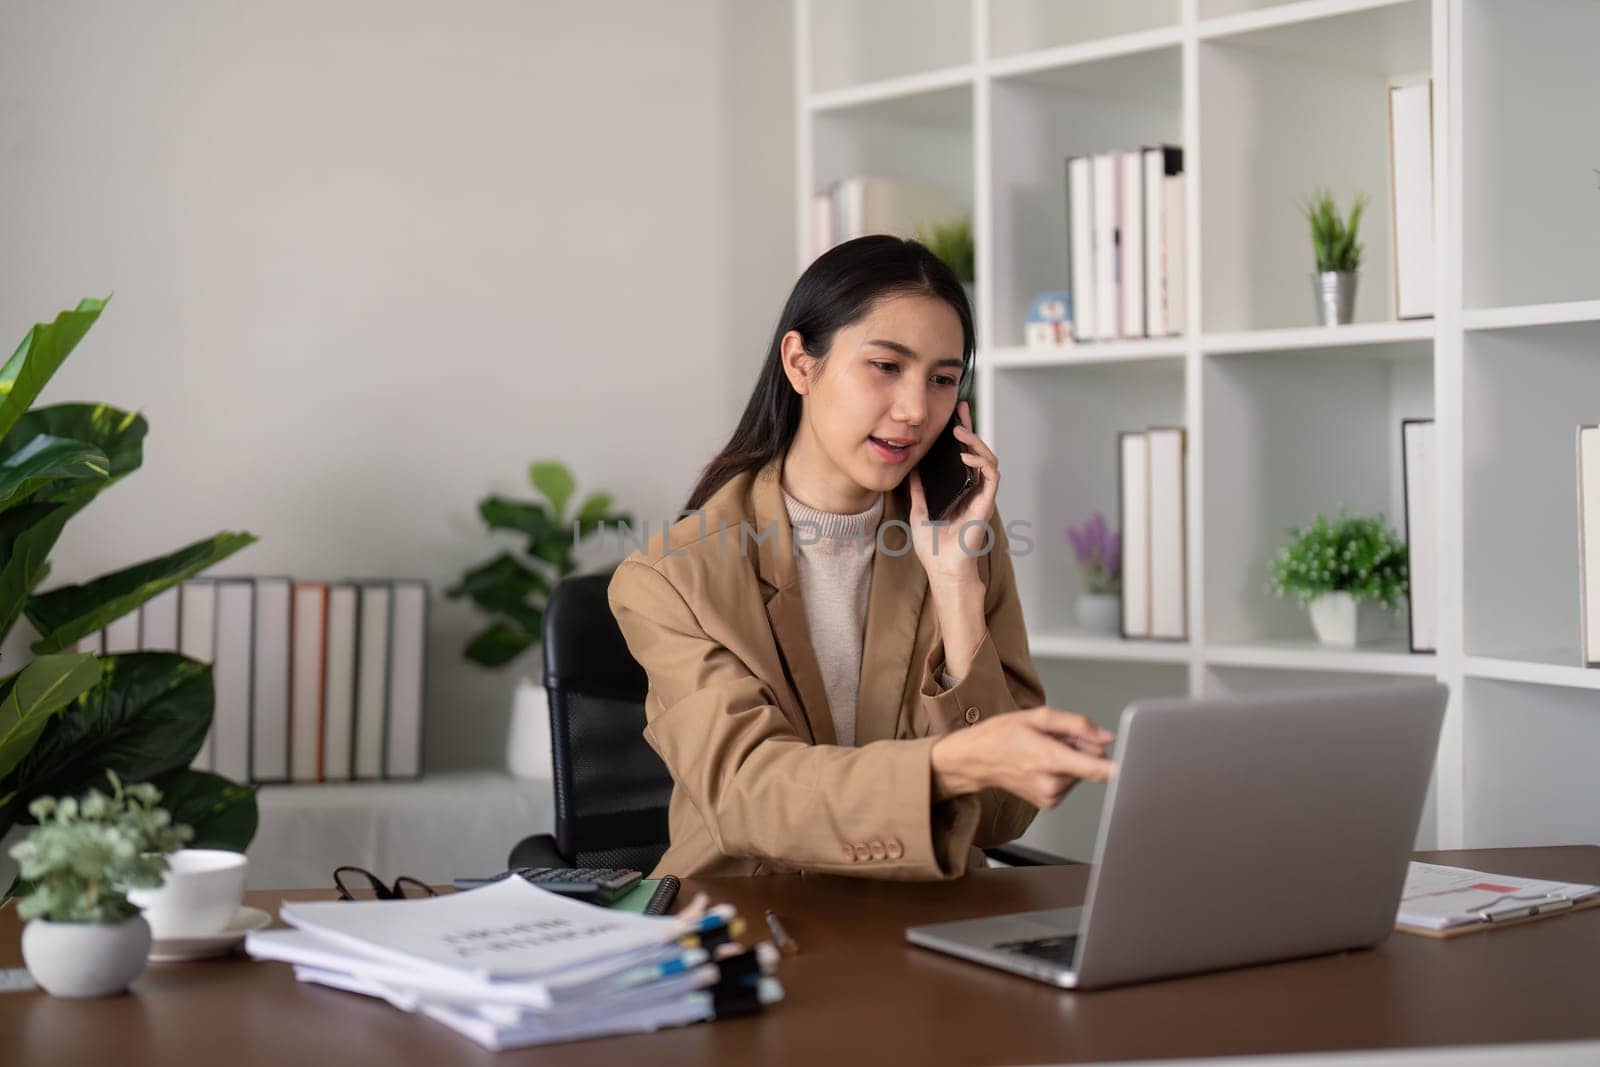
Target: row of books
(315, 681)
(510, 965)
(856, 206)
(1126, 243)
(1155, 578)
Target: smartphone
(947, 481)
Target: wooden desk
(858, 993)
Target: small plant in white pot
(1099, 552)
(1350, 572)
(83, 938)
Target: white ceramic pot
(85, 959)
(1100, 613)
(528, 752)
(1342, 623)
(198, 895)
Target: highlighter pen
(785, 943)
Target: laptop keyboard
(1053, 949)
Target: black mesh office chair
(611, 787)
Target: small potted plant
(1349, 572)
(83, 938)
(1099, 552)
(952, 242)
(513, 591)
(1338, 253)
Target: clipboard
(1484, 925)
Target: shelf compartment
(1529, 756)
(1058, 459)
(858, 42)
(1045, 356)
(1382, 339)
(1502, 318)
(1285, 109)
(1271, 463)
(1038, 120)
(1530, 211)
(1526, 391)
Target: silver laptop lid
(1249, 828)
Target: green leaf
(594, 507)
(119, 434)
(27, 534)
(66, 615)
(514, 515)
(46, 459)
(38, 357)
(555, 481)
(31, 696)
(499, 645)
(501, 584)
(146, 716)
(555, 548)
(222, 813)
(615, 521)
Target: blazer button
(878, 851)
(862, 851)
(849, 853)
(971, 716)
(894, 849)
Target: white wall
(371, 258)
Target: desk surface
(857, 992)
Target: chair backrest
(611, 787)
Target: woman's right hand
(1036, 754)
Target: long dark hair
(837, 290)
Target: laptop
(1236, 830)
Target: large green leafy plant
(514, 590)
(66, 718)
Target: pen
(780, 935)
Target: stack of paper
(510, 965)
(1438, 898)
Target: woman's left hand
(945, 559)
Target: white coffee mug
(202, 891)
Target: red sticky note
(1492, 888)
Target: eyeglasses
(352, 880)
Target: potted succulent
(1349, 572)
(1338, 254)
(83, 938)
(1099, 552)
(513, 590)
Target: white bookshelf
(1285, 418)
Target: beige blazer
(738, 710)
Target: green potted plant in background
(953, 243)
(66, 717)
(512, 590)
(1338, 253)
(1349, 572)
(83, 938)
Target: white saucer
(175, 949)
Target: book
(409, 646)
(158, 622)
(1411, 197)
(1081, 252)
(1440, 901)
(1163, 239)
(1107, 211)
(197, 621)
(308, 633)
(1176, 234)
(1165, 450)
(372, 681)
(339, 684)
(235, 634)
(1589, 544)
(1134, 491)
(269, 676)
(1130, 243)
(1419, 467)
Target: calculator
(598, 885)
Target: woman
(826, 697)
